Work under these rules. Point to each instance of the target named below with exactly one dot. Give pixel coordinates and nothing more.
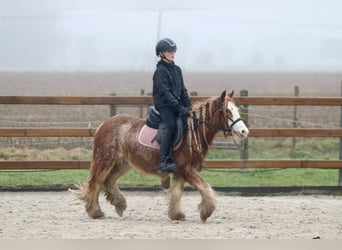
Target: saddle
(151, 133)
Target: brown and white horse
(117, 150)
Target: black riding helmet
(165, 44)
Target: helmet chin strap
(164, 58)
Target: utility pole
(159, 26)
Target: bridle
(227, 130)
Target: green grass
(217, 178)
(48, 177)
(274, 177)
(259, 149)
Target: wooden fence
(147, 100)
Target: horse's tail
(81, 191)
(84, 193)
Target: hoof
(205, 216)
(119, 211)
(206, 211)
(178, 216)
(97, 215)
(121, 206)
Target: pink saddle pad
(147, 134)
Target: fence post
(141, 108)
(295, 119)
(340, 170)
(244, 116)
(112, 108)
(193, 93)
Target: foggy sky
(216, 35)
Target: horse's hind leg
(176, 191)
(208, 203)
(112, 191)
(89, 192)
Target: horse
(116, 151)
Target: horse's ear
(231, 94)
(223, 95)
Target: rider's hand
(185, 111)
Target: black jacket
(168, 87)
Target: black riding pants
(169, 118)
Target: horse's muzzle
(241, 129)
(244, 133)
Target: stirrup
(166, 167)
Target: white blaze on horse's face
(236, 124)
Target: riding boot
(166, 162)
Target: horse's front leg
(176, 191)
(208, 203)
